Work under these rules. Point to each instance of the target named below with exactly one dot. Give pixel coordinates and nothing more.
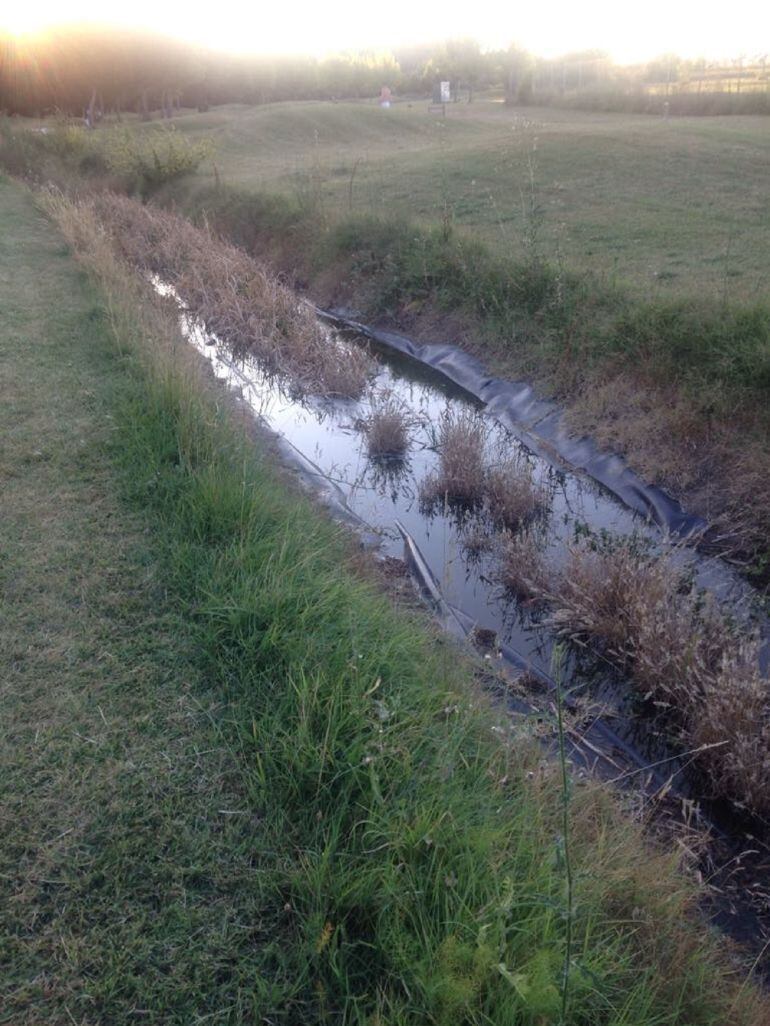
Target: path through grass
(125, 885)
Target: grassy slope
(124, 884)
(674, 207)
(236, 785)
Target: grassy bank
(669, 209)
(259, 792)
(537, 313)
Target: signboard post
(442, 95)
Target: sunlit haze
(629, 32)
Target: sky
(630, 32)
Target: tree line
(89, 71)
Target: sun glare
(19, 22)
(689, 28)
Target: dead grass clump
(387, 429)
(681, 652)
(525, 572)
(237, 299)
(476, 540)
(733, 719)
(512, 495)
(594, 595)
(461, 474)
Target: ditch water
(456, 554)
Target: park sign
(442, 93)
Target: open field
(238, 786)
(672, 207)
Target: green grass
(669, 209)
(238, 787)
(125, 883)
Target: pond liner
(515, 405)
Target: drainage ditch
(454, 554)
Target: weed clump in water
(525, 572)
(387, 429)
(512, 495)
(461, 473)
(464, 478)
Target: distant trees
(84, 72)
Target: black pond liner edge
(515, 405)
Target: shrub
(151, 157)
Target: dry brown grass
(512, 495)
(525, 571)
(461, 475)
(718, 468)
(464, 477)
(239, 302)
(387, 428)
(681, 651)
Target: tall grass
(238, 300)
(467, 478)
(387, 428)
(404, 835)
(681, 651)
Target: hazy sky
(630, 31)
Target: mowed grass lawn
(678, 207)
(124, 874)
